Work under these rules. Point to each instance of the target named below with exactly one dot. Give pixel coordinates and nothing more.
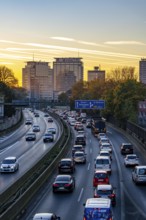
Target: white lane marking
(9, 147)
(90, 141)
(88, 166)
(79, 198)
(90, 150)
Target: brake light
(67, 184)
(106, 180)
(96, 196)
(112, 196)
(55, 184)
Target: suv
(126, 148)
(66, 165)
(80, 139)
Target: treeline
(121, 92)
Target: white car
(9, 165)
(35, 128)
(46, 216)
(131, 160)
(106, 146)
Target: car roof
(98, 203)
(102, 157)
(104, 151)
(100, 171)
(66, 159)
(104, 187)
(131, 155)
(42, 216)
(126, 144)
(10, 158)
(140, 167)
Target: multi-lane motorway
(131, 203)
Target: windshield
(8, 161)
(102, 161)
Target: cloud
(63, 38)
(124, 43)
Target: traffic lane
(137, 194)
(70, 205)
(28, 154)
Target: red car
(100, 177)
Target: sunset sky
(109, 33)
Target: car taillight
(55, 184)
(97, 196)
(67, 184)
(112, 196)
(106, 180)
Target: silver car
(9, 164)
(46, 216)
(79, 157)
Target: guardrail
(15, 199)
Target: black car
(50, 119)
(66, 165)
(28, 122)
(126, 148)
(63, 183)
(48, 137)
(80, 139)
(30, 136)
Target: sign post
(89, 104)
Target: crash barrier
(15, 199)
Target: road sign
(89, 104)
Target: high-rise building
(142, 71)
(96, 74)
(37, 79)
(67, 69)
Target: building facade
(142, 71)
(67, 71)
(37, 79)
(96, 74)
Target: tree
(7, 77)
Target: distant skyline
(109, 33)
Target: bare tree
(7, 76)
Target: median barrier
(16, 197)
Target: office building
(67, 71)
(37, 79)
(142, 71)
(96, 74)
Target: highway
(27, 152)
(130, 197)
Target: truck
(98, 125)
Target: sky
(105, 33)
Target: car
(103, 163)
(50, 119)
(82, 133)
(46, 115)
(66, 165)
(103, 140)
(126, 148)
(105, 191)
(77, 148)
(105, 153)
(100, 177)
(9, 165)
(88, 124)
(46, 216)
(131, 160)
(79, 127)
(80, 139)
(28, 122)
(76, 124)
(101, 135)
(31, 136)
(84, 120)
(36, 114)
(79, 157)
(63, 183)
(35, 128)
(139, 174)
(106, 146)
(52, 130)
(98, 208)
(48, 137)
